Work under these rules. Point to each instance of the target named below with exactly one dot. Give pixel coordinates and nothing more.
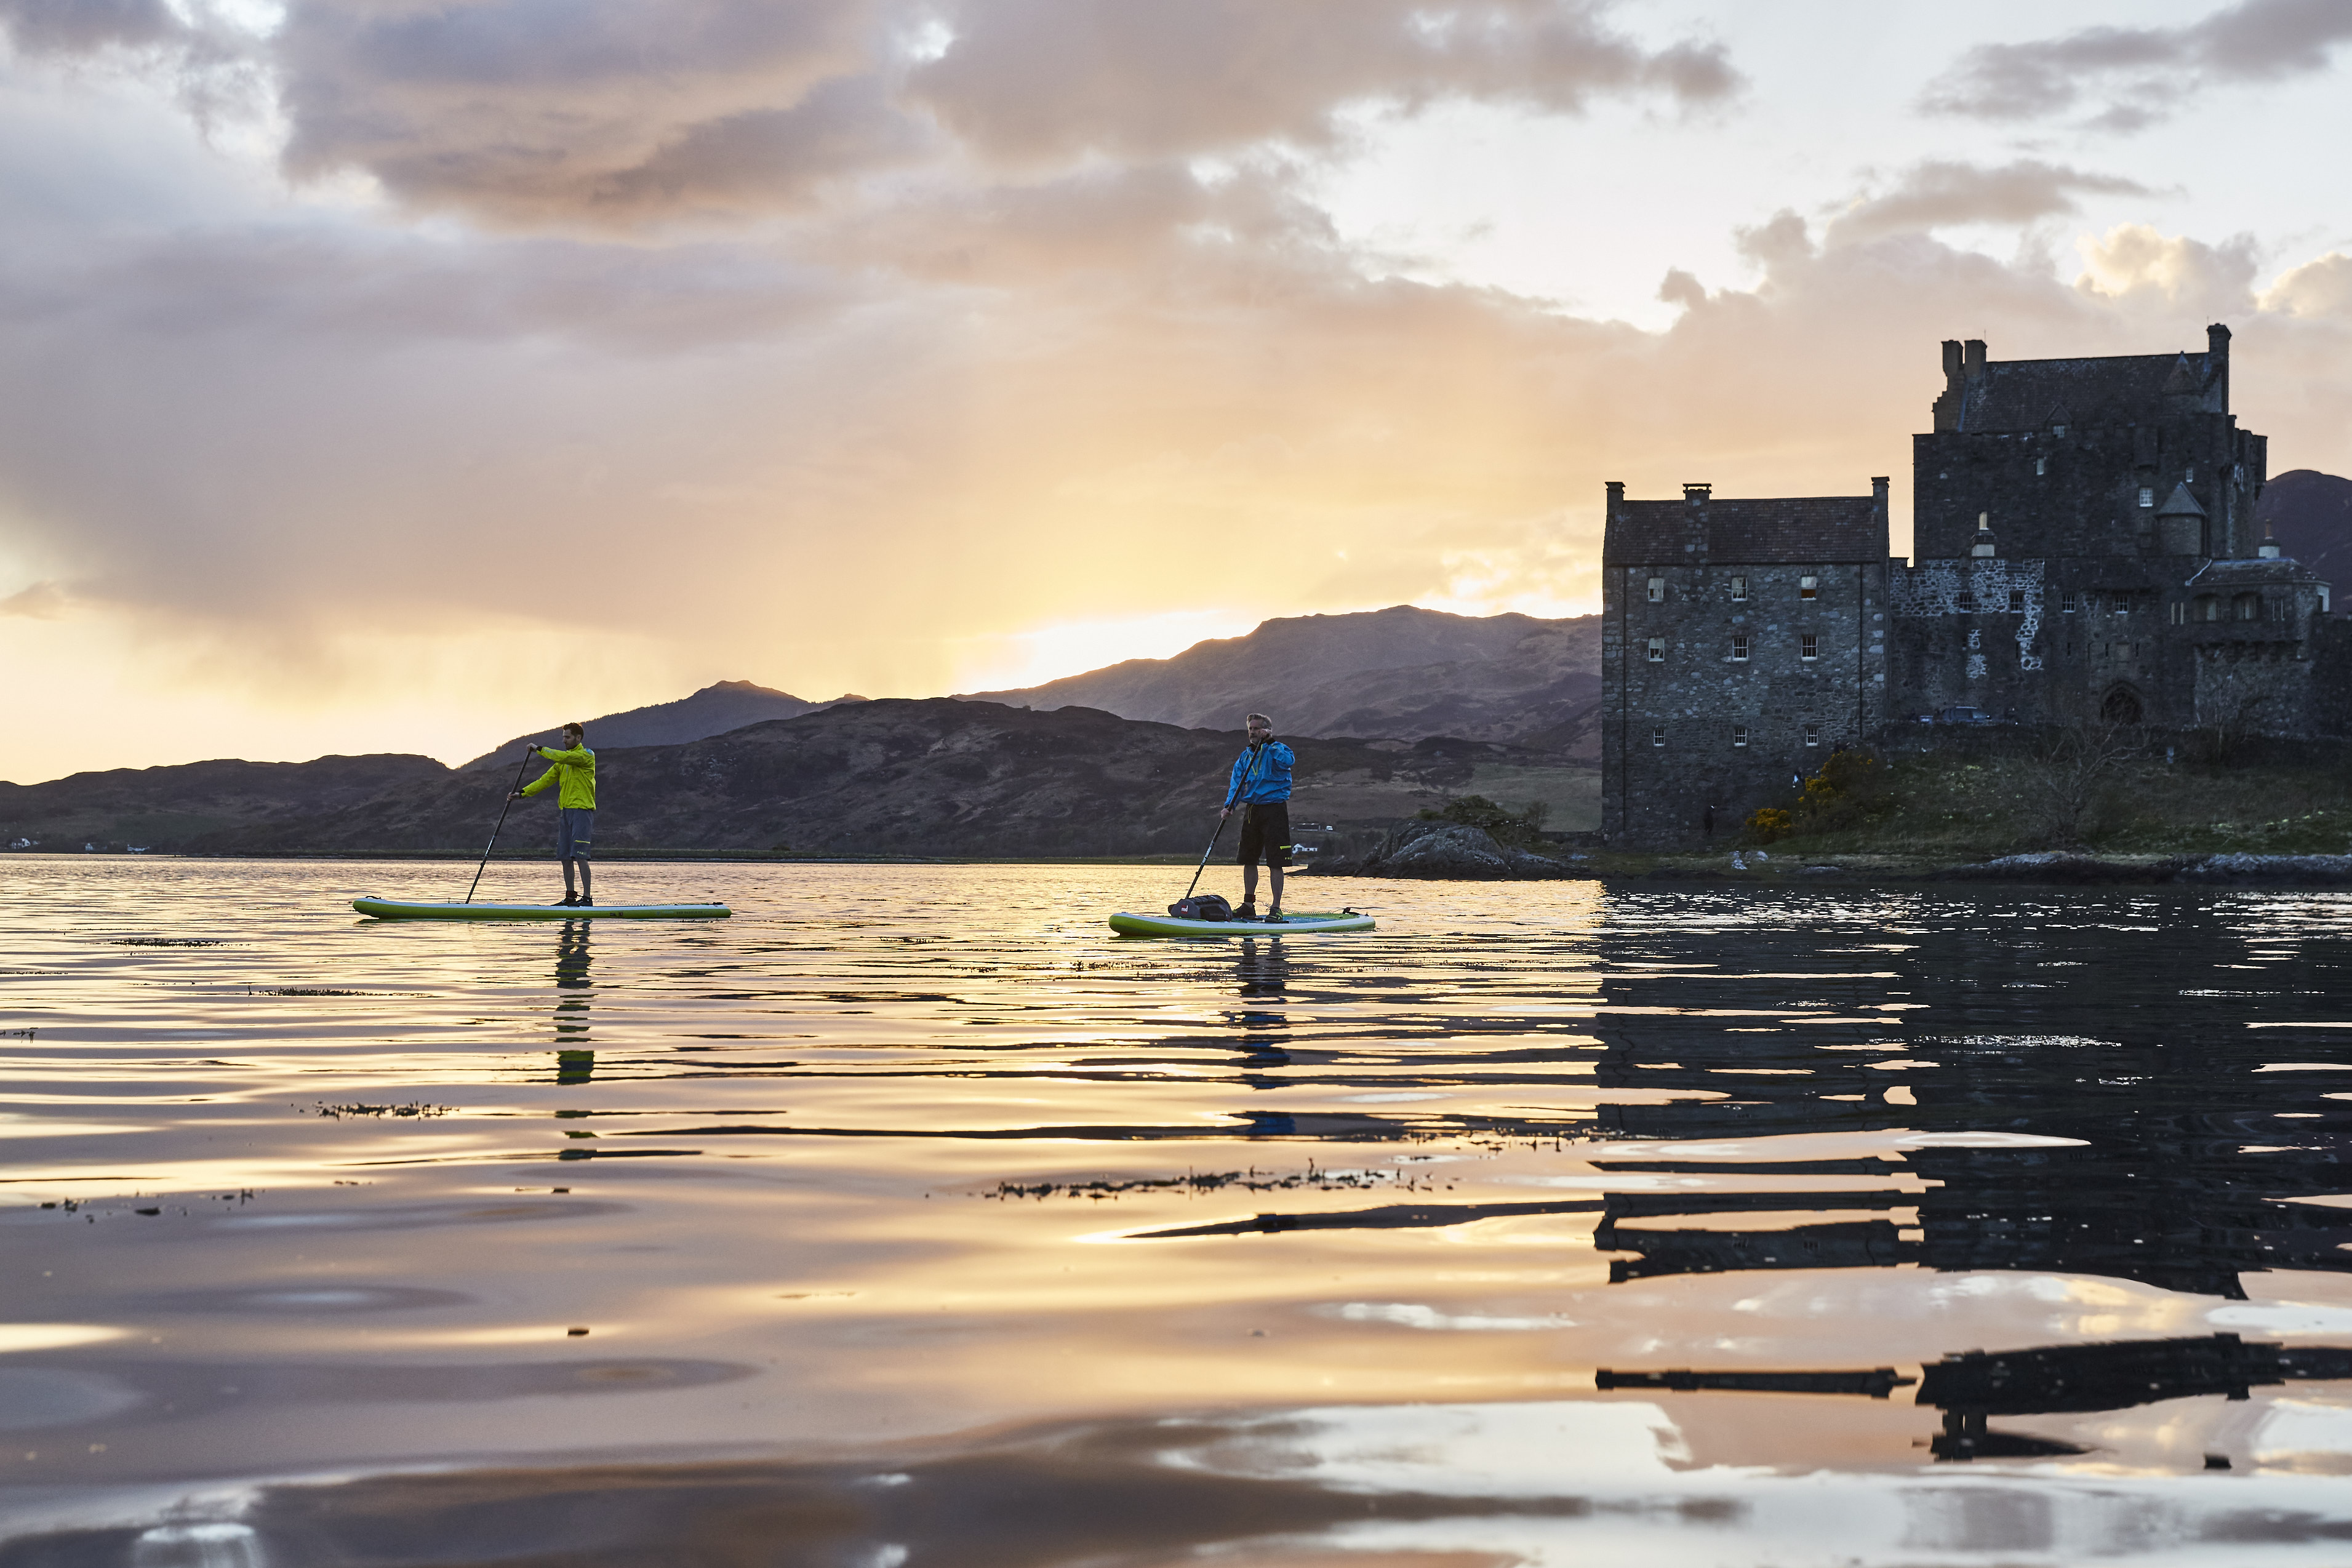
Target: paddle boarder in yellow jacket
(574, 769)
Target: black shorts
(1266, 833)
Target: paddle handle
(506, 806)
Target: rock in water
(1440, 849)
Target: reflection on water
(575, 1062)
(911, 1216)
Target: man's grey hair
(1258, 719)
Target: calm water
(911, 1217)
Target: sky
(400, 375)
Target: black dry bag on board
(1207, 907)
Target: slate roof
(2240, 573)
(1790, 531)
(2181, 504)
(2035, 394)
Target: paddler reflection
(574, 1062)
(1265, 973)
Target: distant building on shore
(2084, 550)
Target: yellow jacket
(577, 769)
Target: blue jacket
(1269, 778)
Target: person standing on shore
(1260, 788)
(574, 767)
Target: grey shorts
(574, 826)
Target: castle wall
(1699, 724)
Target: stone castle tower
(2084, 550)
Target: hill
(171, 807)
(713, 711)
(1402, 672)
(937, 777)
(2311, 513)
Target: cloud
(614, 114)
(1049, 80)
(1938, 194)
(2134, 264)
(40, 602)
(2320, 289)
(2145, 73)
(605, 112)
(85, 26)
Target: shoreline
(1747, 868)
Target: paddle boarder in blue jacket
(1260, 788)
(574, 768)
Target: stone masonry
(1741, 641)
(2084, 553)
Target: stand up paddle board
(399, 910)
(1291, 925)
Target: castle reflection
(2070, 1095)
(2046, 1380)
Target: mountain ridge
(1402, 672)
(718, 708)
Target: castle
(2084, 550)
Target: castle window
(1657, 590)
(2041, 465)
(2122, 604)
(1657, 734)
(1967, 598)
(1808, 587)
(1739, 590)
(2179, 612)
(1740, 734)
(2017, 601)
(2249, 607)
(1739, 646)
(2069, 604)
(1807, 648)
(2058, 430)
(1812, 734)
(1657, 650)
(2147, 496)
(2208, 609)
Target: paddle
(527, 758)
(1240, 790)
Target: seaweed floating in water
(413, 1107)
(1251, 1179)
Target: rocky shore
(1450, 851)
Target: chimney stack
(1616, 489)
(1951, 359)
(2217, 363)
(1973, 358)
(1695, 495)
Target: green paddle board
(400, 910)
(1294, 925)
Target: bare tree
(2226, 720)
(2069, 773)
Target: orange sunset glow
(390, 378)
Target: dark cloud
(2142, 73)
(548, 111)
(84, 26)
(1937, 193)
(1049, 79)
(631, 113)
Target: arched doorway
(2120, 706)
